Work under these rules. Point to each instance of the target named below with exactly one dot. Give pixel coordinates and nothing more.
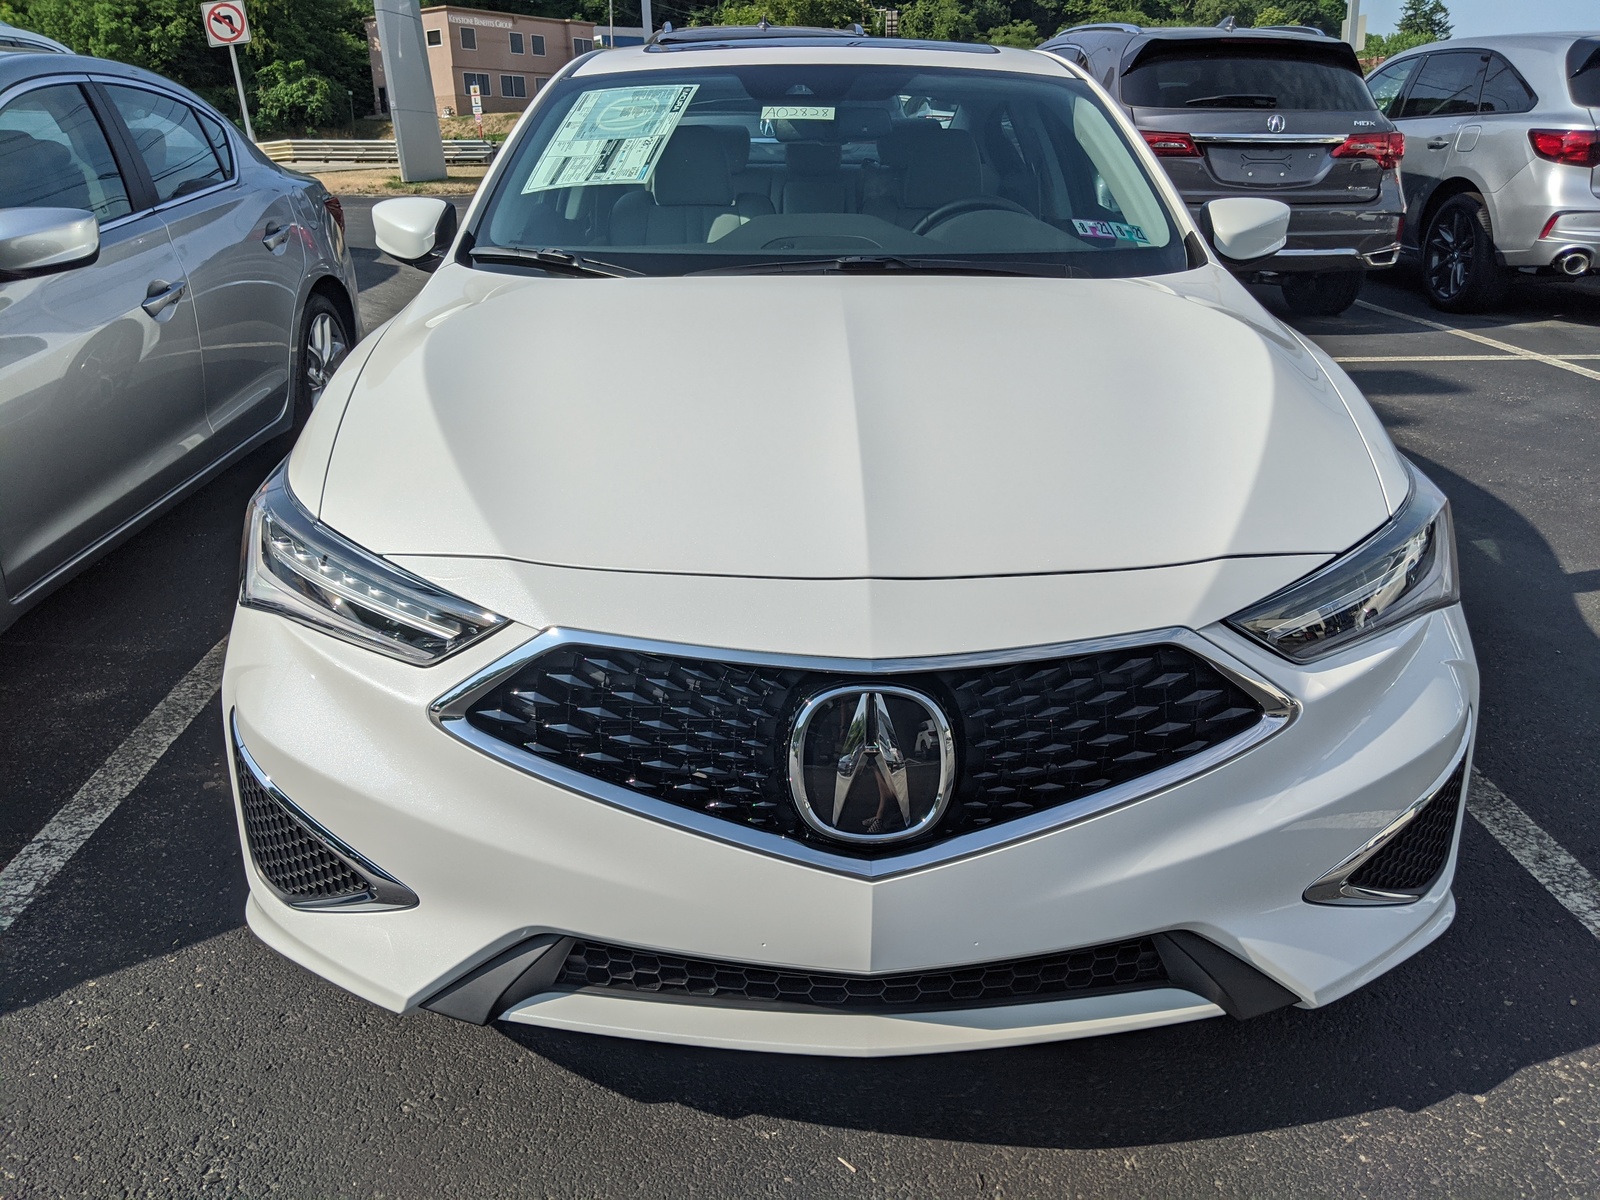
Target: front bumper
(496, 856)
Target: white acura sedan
(832, 562)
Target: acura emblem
(1275, 123)
(871, 764)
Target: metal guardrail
(381, 152)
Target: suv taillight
(1386, 149)
(1171, 145)
(1574, 147)
(335, 210)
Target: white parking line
(1418, 358)
(1532, 356)
(37, 863)
(1563, 876)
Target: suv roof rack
(1311, 29)
(1119, 26)
(765, 31)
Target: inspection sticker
(1111, 229)
(795, 112)
(612, 135)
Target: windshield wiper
(557, 262)
(1236, 100)
(867, 264)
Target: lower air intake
(1116, 967)
(1414, 859)
(305, 864)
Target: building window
(516, 43)
(582, 45)
(469, 78)
(538, 43)
(435, 37)
(514, 86)
(469, 38)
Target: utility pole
(644, 18)
(1355, 26)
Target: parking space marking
(1507, 347)
(1421, 358)
(1563, 876)
(37, 863)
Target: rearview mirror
(37, 241)
(415, 229)
(1243, 228)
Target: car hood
(834, 427)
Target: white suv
(833, 562)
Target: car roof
(740, 46)
(1534, 53)
(32, 42)
(21, 66)
(1197, 33)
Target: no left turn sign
(225, 23)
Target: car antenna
(764, 24)
(1228, 24)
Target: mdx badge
(871, 764)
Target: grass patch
(382, 181)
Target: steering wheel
(960, 208)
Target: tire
(1459, 271)
(324, 341)
(1322, 293)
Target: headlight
(1407, 568)
(295, 566)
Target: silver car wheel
(326, 347)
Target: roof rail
(1311, 29)
(1119, 26)
(668, 36)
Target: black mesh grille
(1412, 861)
(1119, 966)
(294, 862)
(713, 736)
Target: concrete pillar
(410, 87)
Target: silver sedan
(169, 300)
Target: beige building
(509, 57)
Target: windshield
(1244, 77)
(798, 165)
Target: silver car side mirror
(1244, 228)
(37, 241)
(415, 229)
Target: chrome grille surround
(450, 713)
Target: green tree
(290, 98)
(943, 20)
(1428, 19)
(1015, 33)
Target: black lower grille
(1413, 860)
(294, 861)
(712, 736)
(1118, 966)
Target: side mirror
(1243, 228)
(415, 229)
(38, 241)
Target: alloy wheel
(1452, 243)
(326, 346)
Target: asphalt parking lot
(151, 1046)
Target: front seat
(38, 173)
(940, 166)
(689, 190)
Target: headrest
(812, 158)
(693, 169)
(902, 143)
(943, 169)
(735, 144)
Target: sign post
(477, 107)
(226, 25)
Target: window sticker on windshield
(1111, 229)
(612, 135)
(796, 112)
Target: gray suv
(1503, 174)
(1279, 112)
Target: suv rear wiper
(557, 262)
(1233, 100)
(866, 264)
